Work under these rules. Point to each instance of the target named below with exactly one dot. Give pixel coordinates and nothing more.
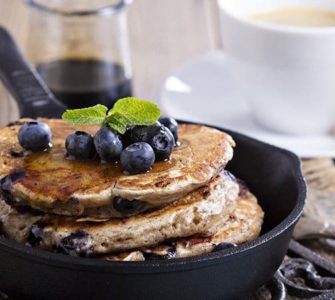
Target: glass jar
(81, 49)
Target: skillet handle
(33, 97)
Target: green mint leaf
(116, 122)
(132, 111)
(126, 112)
(94, 115)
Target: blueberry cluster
(139, 148)
(136, 150)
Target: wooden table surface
(163, 35)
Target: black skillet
(273, 174)
(31, 93)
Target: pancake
(49, 182)
(200, 213)
(243, 225)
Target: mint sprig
(128, 111)
(94, 115)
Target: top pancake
(50, 182)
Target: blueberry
(137, 158)
(78, 243)
(143, 133)
(108, 144)
(223, 246)
(35, 136)
(125, 206)
(126, 136)
(80, 145)
(7, 182)
(16, 154)
(35, 236)
(167, 253)
(172, 125)
(162, 143)
(157, 136)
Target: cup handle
(33, 97)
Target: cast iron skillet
(31, 93)
(273, 174)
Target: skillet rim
(178, 264)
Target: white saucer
(204, 91)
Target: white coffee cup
(286, 73)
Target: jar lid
(79, 7)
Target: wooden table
(163, 34)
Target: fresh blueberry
(137, 158)
(172, 125)
(157, 136)
(80, 145)
(35, 136)
(125, 206)
(126, 136)
(162, 143)
(143, 133)
(108, 144)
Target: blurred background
(162, 34)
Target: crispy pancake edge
(243, 225)
(200, 212)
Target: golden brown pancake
(244, 224)
(49, 182)
(200, 213)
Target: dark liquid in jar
(82, 83)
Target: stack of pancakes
(186, 206)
